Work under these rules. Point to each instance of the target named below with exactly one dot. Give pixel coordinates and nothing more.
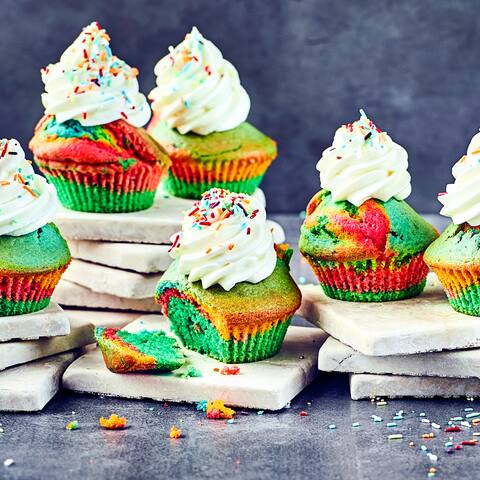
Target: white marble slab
(18, 352)
(29, 387)
(155, 225)
(140, 257)
(335, 356)
(49, 322)
(425, 323)
(269, 384)
(70, 294)
(101, 318)
(394, 386)
(114, 281)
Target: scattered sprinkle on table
(395, 436)
(303, 413)
(391, 424)
(355, 424)
(8, 462)
(175, 432)
(73, 425)
(332, 427)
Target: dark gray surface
(308, 65)
(279, 446)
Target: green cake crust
(235, 144)
(40, 251)
(340, 231)
(458, 245)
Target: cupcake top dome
(363, 163)
(225, 240)
(27, 201)
(461, 201)
(197, 89)
(93, 86)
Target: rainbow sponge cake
(363, 241)
(33, 254)
(455, 255)
(89, 144)
(125, 352)
(228, 293)
(199, 112)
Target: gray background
(308, 65)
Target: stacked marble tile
(418, 347)
(119, 258)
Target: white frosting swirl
(225, 240)
(364, 163)
(27, 201)
(197, 89)
(91, 85)
(461, 201)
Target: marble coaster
(103, 279)
(335, 356)
(18, 352)
(29, 387)
(425, 323)
(394, 386)
(155, 225)
(49, 322)
(101, 318)
(70, 294)
(140, 257)
(269, 384)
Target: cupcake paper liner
(384, 282)
(191, 179)
(462, 287)
(119, 192)
(20, 294)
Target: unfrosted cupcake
(199, 112)
(228, 293)
(455, 255)
(89, 144)
(363, 241)
(33, 254)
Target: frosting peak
(225, 240)
(197, 89)
(93, 86)
(27, 201)
(364, 162)
(461, 201)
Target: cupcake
(89, 144)
(363, 241)
(33, 254)
(148, 350)
(228, 293)
(199, 112)
(455, 255)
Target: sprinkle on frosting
(364, 162)
(27, 201)
(461, 200)
(93, 86)
(225, 239)
(197, 89)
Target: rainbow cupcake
(147, 350)
(33, 254)
(455, 255)
(89, 144)
(228, 293)
(199, 112)
(363, 241)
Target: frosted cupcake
(455, 255)
(228, 293)
(89, 144)
(363, 241)
(199, 112)
(33, 254)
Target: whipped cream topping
(93, 86)
(364, 162)
(27, 201)
(197, 89)
(225, 240)
(461, 201)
